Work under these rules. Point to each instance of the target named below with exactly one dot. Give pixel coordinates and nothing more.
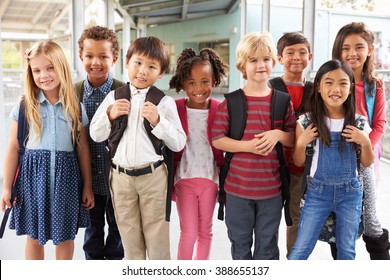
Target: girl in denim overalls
(334, 184)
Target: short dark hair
(151, 47)
(99, 33)
(292, 38)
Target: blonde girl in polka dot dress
(55, 189)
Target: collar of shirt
(135, 90)
(42, 98)
(105, 88)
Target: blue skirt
(49, 208)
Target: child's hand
(267, 141)
(353, 134)
(150, 112)
(308, 135)
(88, 200)
(119, 108)
(6, 200)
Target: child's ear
(371, 49)
(280, 59)
(115, 59)
(161, 74)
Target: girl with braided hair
(197, 165)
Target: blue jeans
(95, 247)
(346, 201)
(245, 217)
(335, 187)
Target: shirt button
(97, 104)
(52, 117)
(100, 172)
(98, 156)
(52, 132)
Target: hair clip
(26, 53)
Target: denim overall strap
(336, 165)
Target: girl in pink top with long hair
(354, 44)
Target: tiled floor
(12, 246)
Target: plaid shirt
(91, 101)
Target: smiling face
(97, 58)
(258, 68)
(355, 51)
(44, 75)
(143, 71)
(199, 86)
(334, 89)
(295, 58)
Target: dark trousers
(95, 247)
(250, 220)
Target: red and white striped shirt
(252, 176)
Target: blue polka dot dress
(48, 200)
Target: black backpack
(22, 137)
(119, 125)
(279, 84)
(237, 108)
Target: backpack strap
(279, 106)
(278, 83)
(370, 100)
(116, 83)
(306, 92)
(119, 124)
(79, 88)
(154, 95)
(360, 122)
(22, 136)
(237, 108)
(309, 156)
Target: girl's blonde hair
(257, 43)
(67, 94)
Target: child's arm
(360, 137)
(166, 123)
(84, 158)
(303, 138)
(268, 140)
(108, 110)
(237, 146)
(10, 166)
(119, 108)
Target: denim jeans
(335, 187)
(247, 218)
(95, 247)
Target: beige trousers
(139, 206)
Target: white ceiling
(52, 16)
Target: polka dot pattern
(49, 208)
